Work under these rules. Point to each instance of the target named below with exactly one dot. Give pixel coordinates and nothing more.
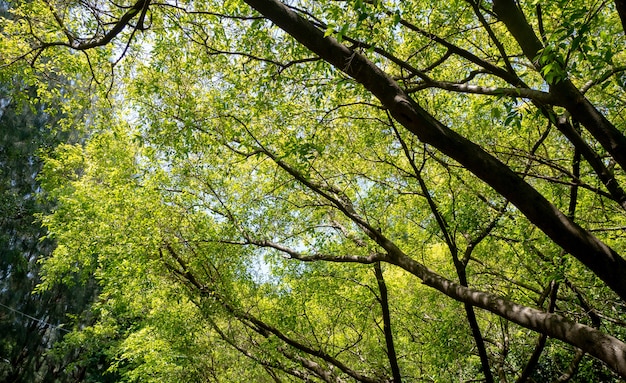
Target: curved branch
(572, 368)
(139, 8)
(266, 364)
(208, 13)
(293, 254)
(603, 77)
(604, 347)
(492, 35)
(493, 69)
(459, 265)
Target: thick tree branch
(604, 347)
(592, 252)
(574, 101)
(597, 256)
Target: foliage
(31, 323)
(339, 191)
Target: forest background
(332, 191)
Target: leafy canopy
(341, 191)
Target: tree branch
(384, 304)
(541, 342)
(574, 101)
(139, 8)
(256, 324)
(605, 347)
(531, 94)
(596, 255)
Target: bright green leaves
(580, 39)
(361, 22)
(552, 64)
(81, 195)
(112, 222)
(239, 152)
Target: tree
(30, 323)
(477, 147)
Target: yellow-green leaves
(238, 186)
